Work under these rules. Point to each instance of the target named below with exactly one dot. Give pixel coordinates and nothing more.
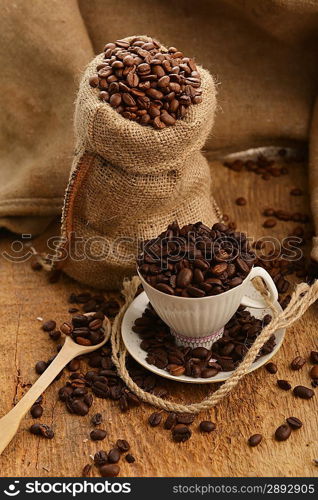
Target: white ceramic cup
(200, 321)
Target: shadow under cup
(199, 322)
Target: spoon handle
(9, 424)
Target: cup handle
(260, 303)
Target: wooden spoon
(9, 424)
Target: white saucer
(132, 341)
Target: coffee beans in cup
(195, 260)
(146, 83)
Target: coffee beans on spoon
(84, 329)
(146, 83)
(195, 260)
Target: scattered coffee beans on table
(303, 392)
(284, 384)
(283, 432)
(294, 422)
(271, 368)
(255, 440)
(207, 426)
(147, 84)
(297, 363)
(225, 354)
(42, 430)
(196, 261)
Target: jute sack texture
(129, 181)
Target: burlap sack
(128, 182)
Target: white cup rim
(177, 297)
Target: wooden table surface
(257, 405)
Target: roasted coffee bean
(40, 367)
(255, 440)
(269, 223)
(74, 365)
(55, 335)
(207, 426)
(170, 421)
(282, 432)
(86, 470)
(109, 470)
(200, 352)
(240, 201)
(100, 458)
(155, 419)
(79, 407)
(42, 430)
(66, 328)
(271, 368)
(97, 419)
(284, 384)
(113, 456)
(303, 392)
(36, 411)
(314, 357)
(297, 363)
(122, 445)
(130, 458)
(294, 422)
(314, 372)
(98, 434)
(181, 433)
(48, 326)
(185, 418)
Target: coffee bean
(42, 430)
(97, 419)
(98, 434)
(282, 432)
(79, 407)
(294, 422)
(314, 372)
(269, 223)
(73, 365)
(240, 201)
(181, 433)
(122, 445)
(303, 392)
(100, 458)
(155, 419)
(271, 368)
(36, 411)
(109, 470)
(130, 458)
(255, 440)
(170, 421)
(113, 456)
(184, 277)
(207, 426)
(200, 352)
(48, 326)
(297, 363)
(314, 357)
(86, 470)
(268, 212)
(40, 367)
(66, 328)
(284, 384)
(185, 418)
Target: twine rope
(302, 298)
